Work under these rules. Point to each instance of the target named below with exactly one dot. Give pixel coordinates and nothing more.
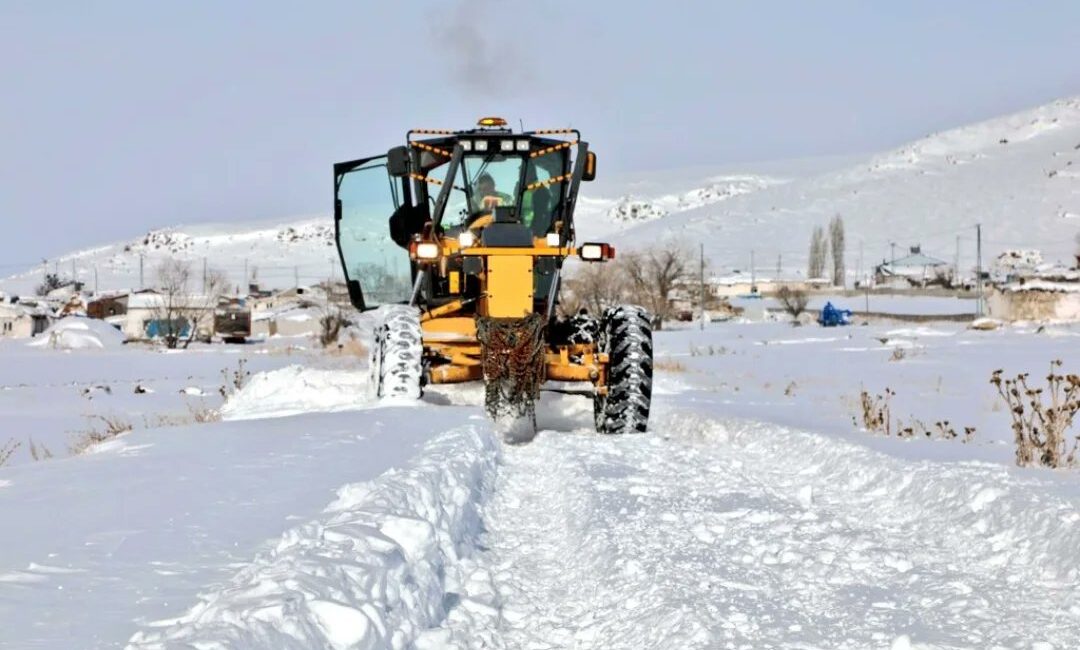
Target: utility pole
(956, 261)
(859, 272)
(753, 278)
(95, 280)
(204, 276)
(141, 285)
(74, 276)
(701, 284)
(978, 271)
(779, 267)
(892, 253)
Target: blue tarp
(832, 316)
(160, 327)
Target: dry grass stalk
(670, 365)
(877, 418)
(110, 427)
(233, 380)
(1042, 417)
(39, 452)
(875, 413)
(8, 448)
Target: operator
(487, 197)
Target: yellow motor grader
(458, 240)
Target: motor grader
(458, 239)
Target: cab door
(377, 271)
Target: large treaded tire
(626, 337)
(396, 361)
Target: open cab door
(377, 270)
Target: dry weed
(669, 365)
(7, 449)
(109, 427)
(39, 452)
(1042, 417)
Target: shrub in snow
(793, 300)
(1042, 417)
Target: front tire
(396, 361)
(626, 337)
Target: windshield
(489, 180)
(484, 182)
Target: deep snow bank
(77, 333)
(371, 572)
(297, 389)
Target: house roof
(915, 259)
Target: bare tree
(180, 314)
(594, 287)
(819, 250)
(836, 237)
(654, 274)
(793, 300)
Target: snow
(297, 389)
(752, 515)
(369, 572)
(77, 333)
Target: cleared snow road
(707, 533)
(748, 535)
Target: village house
(1045, 295)
(916, 269)
(23, 320)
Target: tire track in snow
(752, 535)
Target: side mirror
(397, 161)
(590, 167)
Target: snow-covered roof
(1043, 285)
(158, 301)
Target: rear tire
(397, 354)
(626, 337)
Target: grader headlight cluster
(596, 252)
(424, 251)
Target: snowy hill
(1019, 176)
(276, 254)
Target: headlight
(427, 251)
(480, 145)
(553, 239)
(596, 252)
(522, 145)
(466, 145)
(466, 239)
(506, 145)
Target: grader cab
(459, 239)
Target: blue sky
(118, 117)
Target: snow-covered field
(755, 514)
